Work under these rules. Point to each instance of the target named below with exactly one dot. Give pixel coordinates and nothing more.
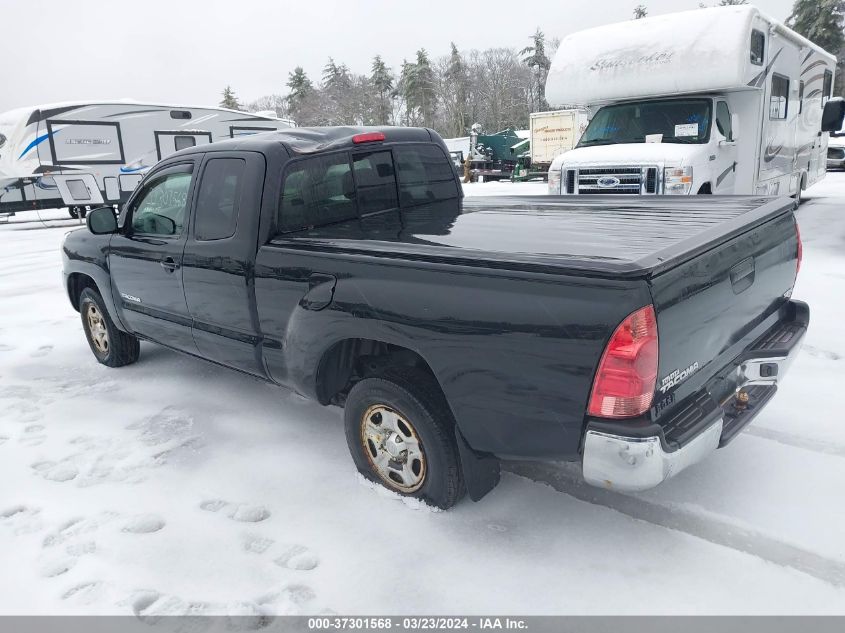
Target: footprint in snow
(144, 524)
(243, 512)
(52, 471)
(57, 567)
(21, 519)
(42, 351)
(255, 543)
(298, 557)
(85, 593)
(71, 531)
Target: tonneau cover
(599, 235)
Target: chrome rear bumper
(621, 461)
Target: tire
(73, 212)
(798, 197)
(397, 408)
(111, 347)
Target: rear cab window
(330, 188)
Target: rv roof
(25, 111)
(703, 50)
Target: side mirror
(833, 115)
(102, 221)
(735, 127)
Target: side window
(425, 174)
(828, 86)
(218, 198)
(375, 182)
(800, 97)
(160, 207)
(758, 47)
(723, 120)
(317, 191)
(778, 100)
(184, 142)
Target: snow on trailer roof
(701, 50)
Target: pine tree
(731, 3)
(382, 83)
(337, 94)
(455, 93)
(230, 101)
(301, 91)
(424, 89)
(820, 21)
(535, 58)
(640, 11)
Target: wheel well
(76, 283)
(351, 360)
(705, 188)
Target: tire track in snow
(795, 441)
(710, 529)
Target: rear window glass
(219, 195)
(317, 191)
(758, 47)
(425, 174)
(184, 142)
(779, 99)
(375, 182)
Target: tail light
(627, 373)
(800, 249)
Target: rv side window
(828, 86)
(758, 47)
(184, 142)
(800, 97)
(779, 98)
(219, 198)
(723, 120)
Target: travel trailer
(90, 154)
(723, 100)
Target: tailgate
(715, 304)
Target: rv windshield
(665, 121)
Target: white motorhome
(723, 100)
(61, 154)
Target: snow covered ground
(175, 486)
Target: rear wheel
(111, 346)
(401, 434)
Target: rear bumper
(629, 457)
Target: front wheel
(401, 434)
(111, 346)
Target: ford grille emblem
(606, 182)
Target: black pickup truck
(634, 334)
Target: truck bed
(601, 236)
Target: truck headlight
(554, 182)
(677, 180)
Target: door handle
(169, 264)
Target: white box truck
(723, 100)
(553, 133)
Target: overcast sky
(186, 51)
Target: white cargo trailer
(85, 154)
(553, 133)
(722, 100)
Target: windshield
(667, 121)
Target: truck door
(217, 269)
(169, 142)
(146, 258)
(726, 152)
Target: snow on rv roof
(700, 50)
